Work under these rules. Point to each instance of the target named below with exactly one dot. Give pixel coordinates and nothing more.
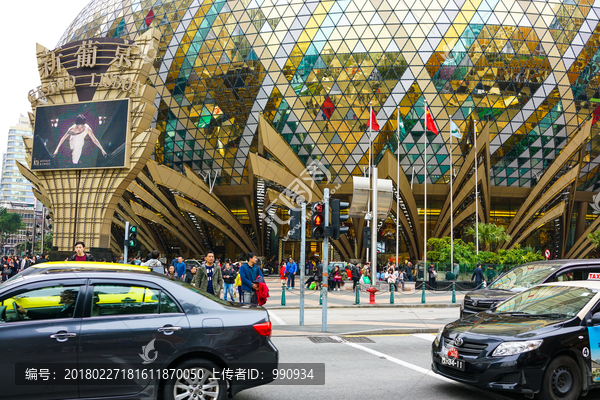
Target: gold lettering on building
(122, 56)
(52, 87)
(86, 54)
(116, 81)
(50, 62)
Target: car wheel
(562, 380)
(196, 379)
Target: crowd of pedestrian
(243, 282)
(12, 264)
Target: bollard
(357, 301)
(321, 298)
(423, 293)
(283, 294)
(453, 292)
(391, 293)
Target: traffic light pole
(302, 261)
(325, 279)
(125, 244)
(33, 236)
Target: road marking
(276, 318)
(421, 370)
(425, 336)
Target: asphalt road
(391, 367)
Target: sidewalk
(347, 298)
(362, 321)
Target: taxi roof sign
(594, 276)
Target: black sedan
(526, 276)
(545, 341)
(85, 333)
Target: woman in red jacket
(282, 275)
(260, 291)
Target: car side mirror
(595, 320)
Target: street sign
(547, 254)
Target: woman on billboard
(76, 135)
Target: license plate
(453, 363)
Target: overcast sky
(26, 23)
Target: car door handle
(63, 336)
(169, 330)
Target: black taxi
(526, 276)
(544, 340)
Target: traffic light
(295, 224)
(132, 237)
(337, 218)
(366, 237)
(318, 221)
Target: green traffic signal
(132, 237)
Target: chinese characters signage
(83, 66)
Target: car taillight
(264, 328)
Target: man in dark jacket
(248, 273)
(229, 275)
(25, 263)
(209, 277)
(42, 259)
(190, 273)
(355, 277)
(408, 271)
(477, 276)
(80, 254)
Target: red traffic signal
(317, 221)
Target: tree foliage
(465, 253)
(490, 235)
(10, 225)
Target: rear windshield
(525, 276)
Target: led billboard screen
(82, 135)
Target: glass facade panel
(314, 69)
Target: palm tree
(490, 235)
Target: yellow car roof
(89, 264)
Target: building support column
(580, 222)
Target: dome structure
(313, 68)
(250, 92)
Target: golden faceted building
(261, 101)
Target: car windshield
(523, 277)
(558, 301)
